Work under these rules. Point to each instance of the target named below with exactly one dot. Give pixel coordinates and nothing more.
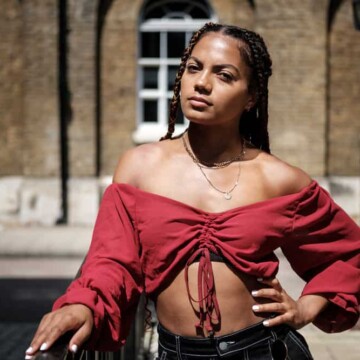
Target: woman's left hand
(294, 313)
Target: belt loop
(178, 350)
(274, 335)
(246, 354)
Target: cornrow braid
(253, 123)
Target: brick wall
(41, 120)
(11, 89)
(301, 121)
(344, 105)
(238, 13)
(119, 66)
(82, 15)
(295, 32)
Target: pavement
(57, 252)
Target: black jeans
(256, 342)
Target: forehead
(219, 48)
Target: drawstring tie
(209, 311)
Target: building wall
(296, 32)
(82, 16)
(313, 112)
(40, 146)
(344, 86)
(234, 12)
(28, 101)
(118, 81)
(11, 89)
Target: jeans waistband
(220, 345)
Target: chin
(198, 117)
(199, 121)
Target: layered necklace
(216, 165)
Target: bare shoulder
(135, 162)
(280, 177)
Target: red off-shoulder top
(141, 241)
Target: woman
(193, 221)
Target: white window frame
(145, 131)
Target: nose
(203, 83)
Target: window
(166, 26)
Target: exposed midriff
(233, 291)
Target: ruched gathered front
(209, 312)
(142, 241)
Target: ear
(251, 102)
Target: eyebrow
(218, 65)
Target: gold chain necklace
(227, 194)
(214, 165)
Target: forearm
(311, 306)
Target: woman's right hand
(77, 318)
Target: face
(214, 86)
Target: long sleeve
(325, 251)
(111, 279)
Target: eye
(191, 68)
(226, 76)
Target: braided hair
(254, 122)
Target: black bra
(213, 257)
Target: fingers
(271, 294)
(272, 282)
(281, 304)
(270, 308)
(48, 332)
(76, 317)
(287, 315)
(274, 291)
(275, 321)
(80, 337)
(36, 342)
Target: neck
(214, 143)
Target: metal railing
(138, 346)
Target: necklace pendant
(227, 196)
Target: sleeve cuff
(339, 315)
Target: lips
(199, 101)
